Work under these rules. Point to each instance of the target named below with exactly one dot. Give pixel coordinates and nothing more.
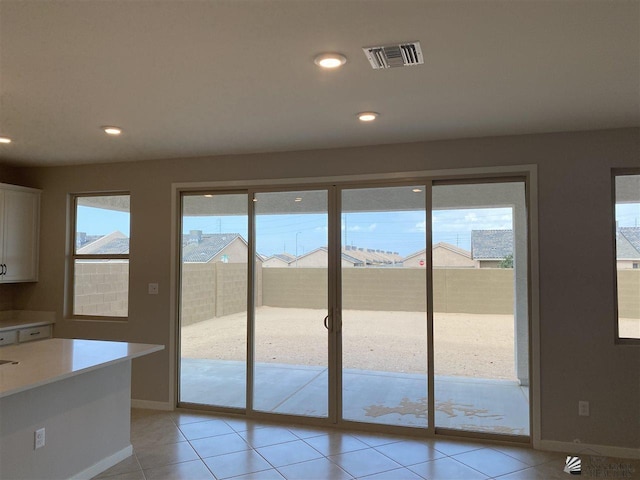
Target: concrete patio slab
(480, 405)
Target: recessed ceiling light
(330, 60)
(5, 140)
(368, 116)
(417, 190)
(110, 130)
(298, 199)
(208, 195)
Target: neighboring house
(198, 247)
(114, 243)
(279, 260)
(319, 258)
(83, 239)
(490, 247)
(372, 257)
(628, 248)
(351, 257)
(444, 255)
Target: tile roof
(285, 257)
(628, 243)
(371, 256)
(351, 259)
(206, 246)
(491, 244)
(115, 243)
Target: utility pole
(345, 230)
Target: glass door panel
(480, 304)
(384, 319)
(213, 299)
(291, 303)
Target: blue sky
(402, 232)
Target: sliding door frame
(335, 185)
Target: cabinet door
(21, 220)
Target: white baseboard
(151, 405)
(104, 464)
(588, 449)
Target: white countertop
(47, 361)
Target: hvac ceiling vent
(391, 56)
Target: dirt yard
(465, 344)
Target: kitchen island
(79, 391)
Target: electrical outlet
(583, 408)
(153, 289)
(38, 437)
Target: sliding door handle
(325, 322)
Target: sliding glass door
(214, 257)
(384, 310)
(291, 303)
(398, 304)
(481, 326)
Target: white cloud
(358, 228)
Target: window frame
(615, 173)
(73, 257)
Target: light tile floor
(192, 446)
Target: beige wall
(579, 359)
(83, 418)
(7, 292)
(215, 289)
(473, 291)
(198, 302)
(294, 287)
(624, 264)
(629, 293)
(455, 290)
(441, 257)
(385, 288)
(317, 259)
(101, 288)
(231, 288)
(489, 263)
(236, 252)
(12, 175)
(275, 262)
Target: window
(627, 235)
(100, 259)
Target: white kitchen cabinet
(19, 233)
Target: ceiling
(198, 78)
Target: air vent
(391, 56)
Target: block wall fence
(217, 289)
